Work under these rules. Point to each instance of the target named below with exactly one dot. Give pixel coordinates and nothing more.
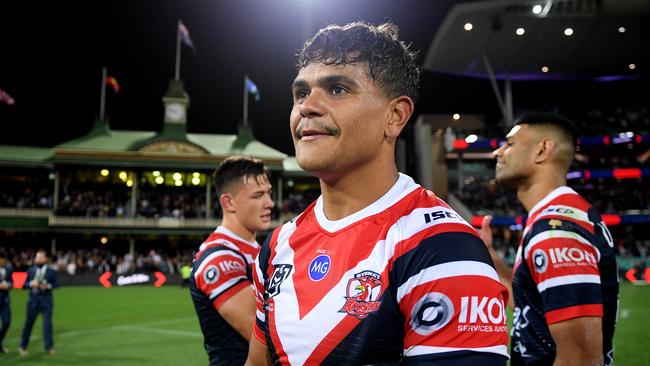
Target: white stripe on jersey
(558, 234)
(574, 213)
(221, 241)
(567, 280)
(444, 270)
(224, 286)
(427, 350)
(551, 196)
(210, 257)
(399, 190)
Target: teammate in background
(41, 280)
(221, 276)
(6, 284)
(378, 269)
(565, 281)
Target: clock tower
(176, 102)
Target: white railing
(24, 212)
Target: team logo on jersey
(540, 260)
(431, 312)
(319, 267)
(211, 274)
(363, 292)
(280, 274)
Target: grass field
(157, 326)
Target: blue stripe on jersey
(439, 249)
(571, 295)
(458, 358)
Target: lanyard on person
(3, 273)
(40, 273)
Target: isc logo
(483, 309)
(437, 215)
(230, 266)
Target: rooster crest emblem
(363, 292)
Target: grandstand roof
(24, 155)
(597, 47)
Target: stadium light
(621, 29)
(468, 26)
(129, 183)
(196, 174)
(123, 176)
(456, 116)
(568, 31)
(631, 66)
(196, 181)
(103, 240)
(545, 69)
(160, 180)
(178, 183)
(537, 9)
(156, 173)
(177, 176)
(104, 172)
(520, 31)
(471, 139)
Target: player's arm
(258, 354)
(579, 341)
(239, 311)
(504, 270)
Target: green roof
(24, 155)
(103, 138)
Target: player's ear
(226, 200)
(545, 149)
(401, 109)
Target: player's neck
(357, 189)
(237, 228)
(536, 189)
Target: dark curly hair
(391, 65)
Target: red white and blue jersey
(404, 280)
(565, 268)
(221, 268)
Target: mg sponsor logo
(319, 267)
(571, 255)
(482, 313)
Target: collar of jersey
(225, 231)
(549, 197)
(399, 190)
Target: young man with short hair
(377, 269)
(221, 280)
(565, 281)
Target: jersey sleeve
(221, 275)
(563, 263)
(452, 301)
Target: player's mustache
(315, 124)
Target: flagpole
(178, 51)
(245, 101)
(102, 102)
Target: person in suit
(6, 284)
(41, 280)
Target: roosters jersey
(405, 280)
(565, 268)
(221, 269)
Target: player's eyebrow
(325, 81)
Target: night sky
(52, 53)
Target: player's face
(40, 258)
(338, 118)
(515, 158)
(252, 203)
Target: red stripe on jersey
(562, 257)
(232, 291)
(332, 340)
(275, 338)
(259, 335)
(215, 239)
(478, 319)
(560, 315)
